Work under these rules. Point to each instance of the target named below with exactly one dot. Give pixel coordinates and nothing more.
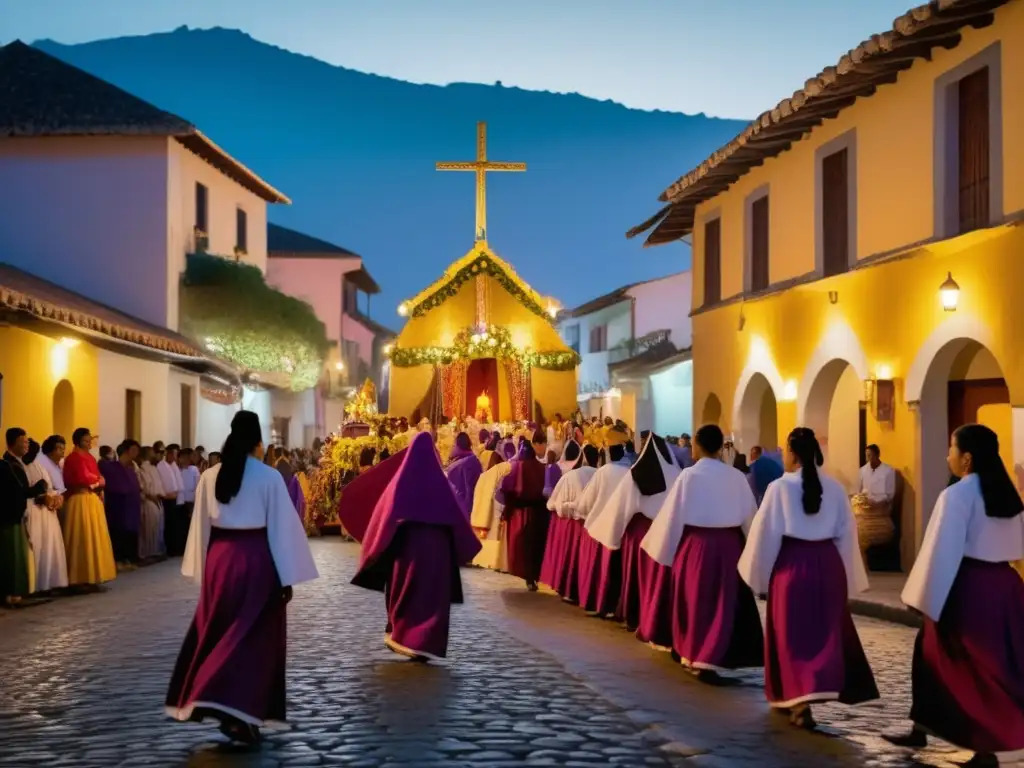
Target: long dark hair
(997, 489)
(245, 436)
(804, 446)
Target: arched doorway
(963, 384)
(64, 409)
(833, 411)
(712, 411)
(757, 422)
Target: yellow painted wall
(408, 388)
(32, 366)
(894, 168)
(555, 391)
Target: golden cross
(481, 166)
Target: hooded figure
(521, 492)
(413, 543)
(562, 503)
(624, 521)
(464, 470)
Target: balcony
(631, 348)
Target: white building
(634, 346)
(106, 195)
(329, 278)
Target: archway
(757, 420)
(64, 409)
(832, 409)
(962, 384)
(712, 411)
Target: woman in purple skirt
(562, 505)
(803, 552)
(248, 548)
(699, 533)
(968, 669)
(621, 525)
(599, 580)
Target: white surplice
(44, 532)
(608, 523)
(782, 514)
(262, 502)
(959, 528)
(710, 494)
(600, 488)
(569, 489)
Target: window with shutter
(241, 231)
(973, 150)
(202, 209)
(835, 213)
(759, 244)
(712, 262)
(599, 338)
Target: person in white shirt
(247, 548)
(877, 480)
(699, 533)
(189, 473)
(802, 551)
(151, 531)
(599, 570)
(171, 480)
(968, 668)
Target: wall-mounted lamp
(833, 297)
(403, 309)
(869, 390)
(949, 292)
(789, 391)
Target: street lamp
(949, 293)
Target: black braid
(805, 447)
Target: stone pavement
(530, 681)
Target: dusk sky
(728, 58)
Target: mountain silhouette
(356, 154)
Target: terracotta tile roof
(40, 95)
(284, 243)
(31, 295)
(876, 61)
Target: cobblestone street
(530, 681)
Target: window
(835, 213)
(133, 414)
(712, 262)
(598, 338)
(759, 279)
(202, 209)
(973, 150)
(572, 337)
(349, 297)
(241, 232)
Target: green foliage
(495, 342)
(228, 306)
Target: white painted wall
(664, 304)
(259, 403)
(224, 197)
(90, 214)
(300, 410)
(842, 450)
(214, 423)
(177, 377)
(672, 394)
(593, 368)
(117, 374)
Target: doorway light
(949, 293)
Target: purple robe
(298, 499)
(463, 471)
(522, 493)
(122, 497)
(412, 547)
(554, 549)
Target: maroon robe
(522, 493)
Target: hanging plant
(228, 307)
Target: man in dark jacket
(15, 493)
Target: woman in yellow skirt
(86, 537)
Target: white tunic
(782, 514)
(569, 489)
(170, 478)
(609, 523)
(44, 532)
(959, 528)
(53, 471)
(262, 502)
(879, 485)
(710, 494)
(600, 488)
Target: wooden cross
(481, 166)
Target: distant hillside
(356, 154)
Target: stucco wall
(214, 423)
(664, 304)
(117, 374)
(89, 214)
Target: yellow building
(481, 330)
(53, 343)
(858, 255)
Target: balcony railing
(631, 348)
